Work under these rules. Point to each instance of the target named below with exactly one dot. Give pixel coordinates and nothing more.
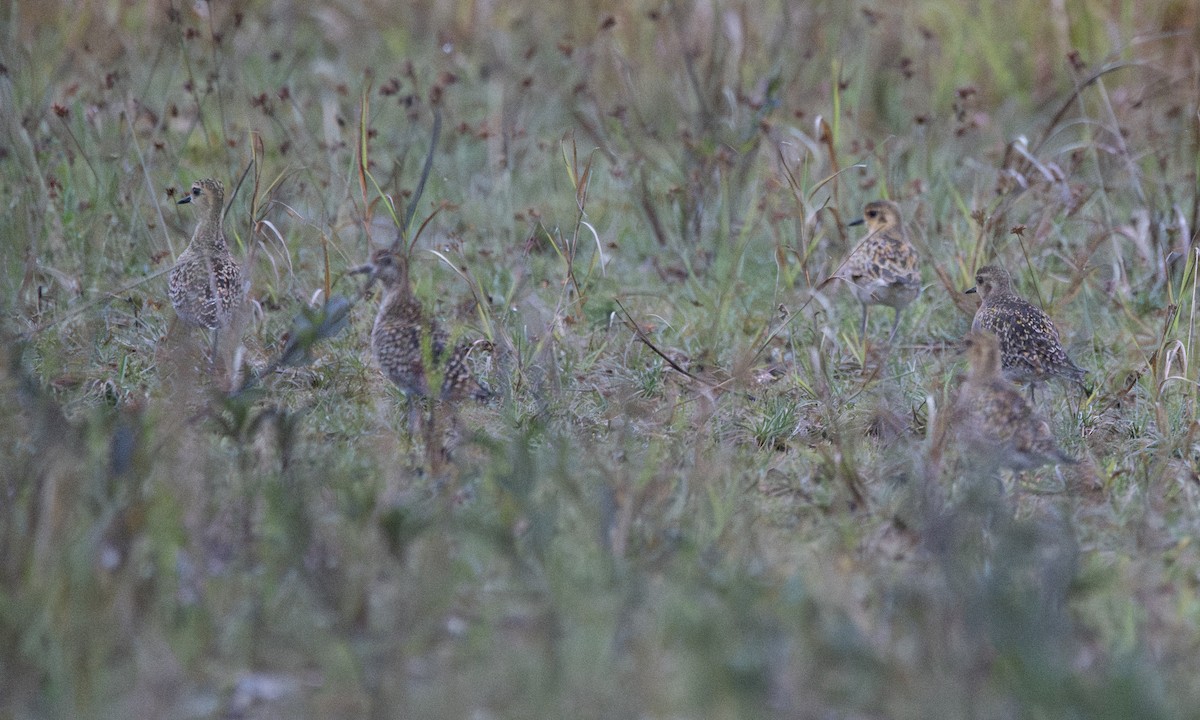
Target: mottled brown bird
(205, 284)
(1030, 348)
(882, 269)
(997, 423)
(400, 334)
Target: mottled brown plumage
(1030, 348)
(403, 337)
(205, 284)
(882, 269)
(993, 418)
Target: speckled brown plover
(993, 418)
(400, 334)
(1030, 348)
(205, 284)
(882, 269)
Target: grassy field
(774, 534)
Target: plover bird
(400, 334)
(205, 284)
(997, 423)
(882, 269)
(1030, 349)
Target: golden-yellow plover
(882, 269)
(205, 284)
(999, 426)
(1030, 349)
(401, 331)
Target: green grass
(778, 535)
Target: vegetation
(698, 492)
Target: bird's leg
(863, 328)
(212, 352)
(414, 413)
(433, 449)
(1058, 473)
(895, 327)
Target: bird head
(386, 266)
(991, 280)
(879, 215)
(207, 196)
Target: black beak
(970, 291)
(367, 268)
(186, 199)
(852, 223)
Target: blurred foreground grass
(608, 538)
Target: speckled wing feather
(883, 270)
(205, 290)
(460, 381)
(1030, 347)
(396, 341)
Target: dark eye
(871, 213)
(195, 192)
